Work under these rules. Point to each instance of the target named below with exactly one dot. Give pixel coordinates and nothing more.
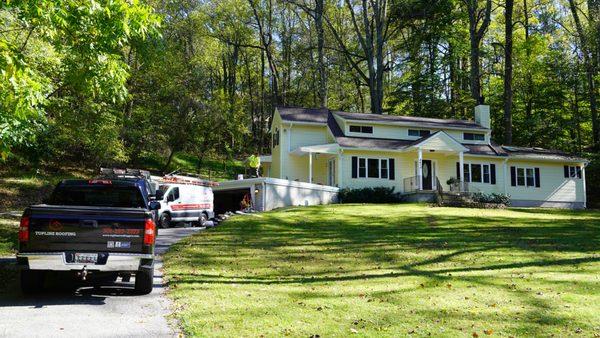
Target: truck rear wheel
(144, 281)
(32, 281)
(202, 220)
(165, 220)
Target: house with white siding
(418, 156)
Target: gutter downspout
(585, 164)
(504, 167)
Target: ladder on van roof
(187, 180)
(127, 172)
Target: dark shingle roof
(424, 121)
(373, 143)
(485, 149)
(296, 114)
(541, 153)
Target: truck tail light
(24, 229)
(149, 232)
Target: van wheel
(165, 220)
(144, 281)
(32, 281)
(202, 220)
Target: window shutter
(392, 170)
(458, 170)
(492, 173)
(566, 171)
(537, 177)
(578, 171)
(513, 176)
(354, 167)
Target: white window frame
(474, 136)
(419, 130)
(525, 185)
(379, 167)
(468, 172)
(361, 131)
(331, 172)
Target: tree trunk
(479, 21)
(319, 10)
(508, 71)
(589, 64)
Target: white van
(184, 203)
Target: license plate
(86, 258)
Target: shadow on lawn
(441, 247)
(380, 239)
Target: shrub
(368, 195)
(494, 198)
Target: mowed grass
(391, 270)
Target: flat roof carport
(269, 193)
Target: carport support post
(310, 167)
(420, 169)
(461, 165)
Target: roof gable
(439, 141)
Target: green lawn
(395, 270)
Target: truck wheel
(165, 220)
(202, 220)
(32, 281)
(144, 281)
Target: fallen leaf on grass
(475, 335)
(353, 330)
(488, 332)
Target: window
(476, 173)
(362, 167)
(529, 177)
(275, 137)
(419, 132)
(572, 171)
(361, 129)
(520, 176)
(384, 168)
(373, 168)
(486, 173)
(474, 137)
(525, 177)
(467, 172)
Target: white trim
(320, 124)
(424, 124)
(247, 183)
(451, 141)
(545, 159)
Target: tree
(479, 21)
(508, 70)
(590, 62)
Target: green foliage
(368, 195)
(494, 198)
(66, 54)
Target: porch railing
(411, 184)
(455, 187)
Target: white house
(417, 155)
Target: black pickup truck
(93, 230)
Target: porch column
(462, 171)
(420, 169)
(583, 181)
(310, 167)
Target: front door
(427, 175)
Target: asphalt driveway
(109, 311)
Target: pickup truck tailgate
(85, 229)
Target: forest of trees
(112, 81)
